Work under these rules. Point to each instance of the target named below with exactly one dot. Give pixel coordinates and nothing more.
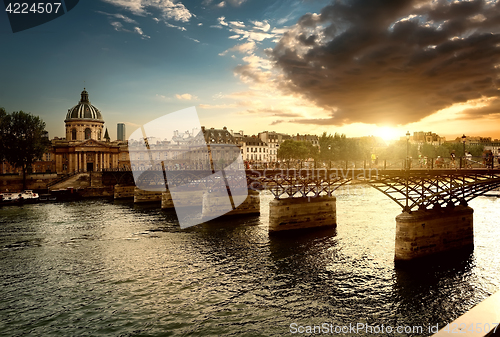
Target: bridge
(435, 216)
(411, 189)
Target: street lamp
(407, 146)
(329, 156)
(463, 142)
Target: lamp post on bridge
(464, 157)
(407, 209)
(407, 146)
(329, 156)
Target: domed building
(84, 121)
(86, 147)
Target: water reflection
(116, 268)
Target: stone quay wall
(141, 196)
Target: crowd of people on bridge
(487, 160)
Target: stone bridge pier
(302, 212)
(212, 204)
(425, 233)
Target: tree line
(23, 139)
(338, 147)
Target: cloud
(163, 97)
(261, 25)
(218, 106)
(274, 112)
(244, 48)
(119, 16)
(171, 10)
(119, 27)
(186, 97)
(176, 27)
(238, 24)
(236, 3)
(222, 21)
(391, 62)
(139, 31)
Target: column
(101, 158)
(84, 154)
(71, 167)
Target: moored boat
(19, 197)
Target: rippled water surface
(99, 267)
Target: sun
(388, 133)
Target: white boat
(27, 195)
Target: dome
(84, 110)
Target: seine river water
(99, 267)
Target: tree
(23, 139)
(3, 115)
(296, 150)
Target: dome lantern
(84, 110)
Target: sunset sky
(361, 67)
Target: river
(100, 267)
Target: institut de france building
(86, 147)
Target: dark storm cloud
(274, 112)
(392, 61)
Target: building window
(99, 136)
(73, 134)
(87, 133)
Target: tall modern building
(120, 131)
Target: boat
(27, 196)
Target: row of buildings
(421, 138)
(87, 146)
